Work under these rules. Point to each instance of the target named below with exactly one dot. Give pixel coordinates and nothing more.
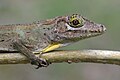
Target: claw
(39, 62)
(37, 67)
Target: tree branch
(92, 56)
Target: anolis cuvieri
(47, 35)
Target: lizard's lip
(100, 30)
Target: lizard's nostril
(103, 27)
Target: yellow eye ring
(75, 21)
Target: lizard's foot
(39, 62)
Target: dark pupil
(75, 22)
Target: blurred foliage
(106, 12)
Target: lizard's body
(31, 35)
(48, 35)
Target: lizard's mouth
(97, 31)
(85, 32)
(82, 34)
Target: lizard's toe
(39, 62)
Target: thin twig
(92, 56)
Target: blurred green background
(106, 12)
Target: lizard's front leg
(40, 62)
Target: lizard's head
(76, 27)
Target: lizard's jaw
(84, 32)
(97, 30)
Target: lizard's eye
(75, 21)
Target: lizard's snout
(103, 28)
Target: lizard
(47, 35)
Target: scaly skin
(44, 36)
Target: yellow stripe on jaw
(51, 47)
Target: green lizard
(47, 35)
